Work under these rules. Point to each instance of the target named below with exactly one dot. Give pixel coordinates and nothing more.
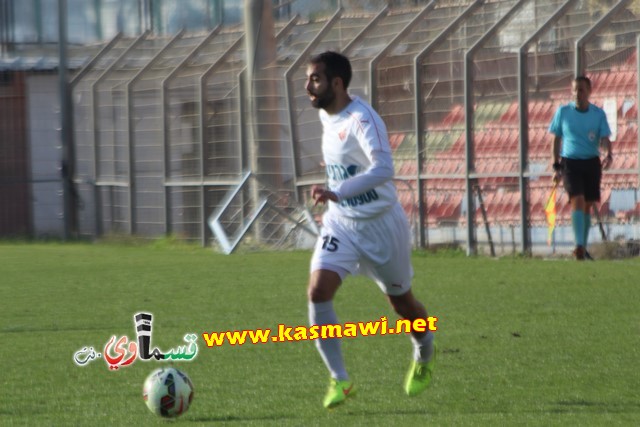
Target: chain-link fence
(164, 127)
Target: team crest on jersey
(342, 134)
(592, 136)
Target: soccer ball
(168, 392)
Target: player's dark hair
(583, 79)
(335, 65)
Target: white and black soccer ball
(168, 392)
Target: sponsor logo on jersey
(340, 172)
(361, 199)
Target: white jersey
(356, 151)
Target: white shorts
(379, 248)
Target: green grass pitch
(522, 341)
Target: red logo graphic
(124, 351)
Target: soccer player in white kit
(365, 229)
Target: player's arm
(555, 157)
(380, 171)
(605, 145)
(321, 195)
(556, 130)
(373, 139)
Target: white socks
(322, 313)
(423, 347)
(329, 348)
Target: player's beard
(323, 100)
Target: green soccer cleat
(419, 375)
(338, 393)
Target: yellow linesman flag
(550, 211)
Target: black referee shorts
(582, 178)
